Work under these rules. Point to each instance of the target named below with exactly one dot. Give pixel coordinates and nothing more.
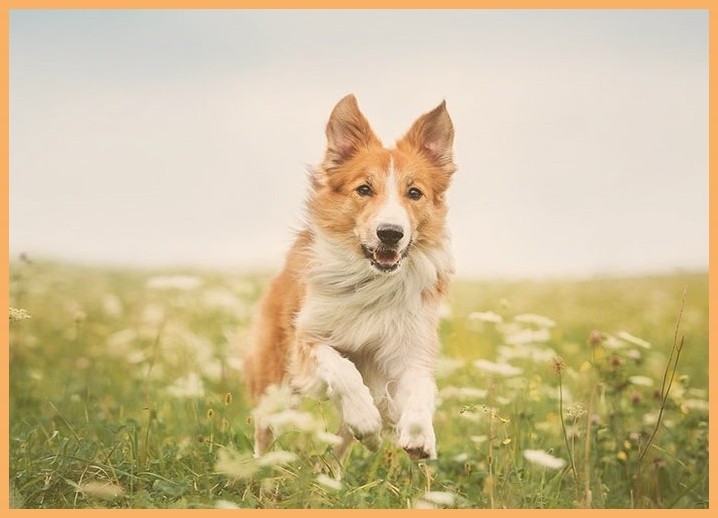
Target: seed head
(576, 411)
(596, 338)
(636, 398)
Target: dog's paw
(416, 435)
(364, 421)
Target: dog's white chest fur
(357, 310)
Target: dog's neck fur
(335, 271)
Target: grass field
(126, 392)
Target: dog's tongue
(386, 257)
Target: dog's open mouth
(384, 259)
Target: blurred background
(181, 138)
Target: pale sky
(182, 137)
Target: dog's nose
(390, 234)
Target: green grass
(125, 392)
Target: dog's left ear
(432, 134)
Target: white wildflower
(633, 354)
(544, 459)
(236, 465)
(423, 504)
(698, 393)
(328, 482)
(516, 336)
(275, 400)
(485, 316)
(104, 490)
(576, 411)
(613, 343)
(463, 393)
(700, 405)
(17, 314)
(461, 457)
(177, 282)
(479, 439)
(643, 381)
(537, 320)
(439, 498)
(446, 366)
(623, 335)
(223, 299)
(471, 414)
(292, 419)
(112, 305)
(225, 504)
(328, 438)
(502, 369)
(526, 351)
(276, 458)
(650, 419)
(190, 386)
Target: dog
(353, 314)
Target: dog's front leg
(415, 400)
(325, 373)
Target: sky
(182, 138)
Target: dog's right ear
(347, 131)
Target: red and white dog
(353, 315)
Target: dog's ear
(432, 134)
(347, 131)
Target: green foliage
(126, 392)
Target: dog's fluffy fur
(353, 314)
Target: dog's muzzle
(383, 258)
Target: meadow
(126, 392)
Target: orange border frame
(317, 4)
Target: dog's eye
(364, 190)
(414, 193)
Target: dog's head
(383, 202)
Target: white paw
(416, 435)
(364, 420)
